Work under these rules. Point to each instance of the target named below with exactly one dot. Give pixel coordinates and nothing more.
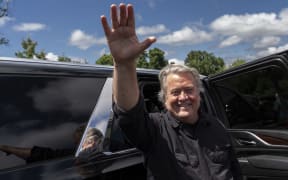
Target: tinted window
(257, 99)
(97, 136)
(44, 112)
(117, 140)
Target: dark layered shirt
(175, 150)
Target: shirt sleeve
(43, 153)
(136, 125)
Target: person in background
(37, 153)
(182, 143)
(93, 140)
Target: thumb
(147, 42)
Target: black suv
(48, 110)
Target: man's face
(182, 97)
(89, 142)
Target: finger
(147, 43)
(105, 26)
(114, 16)
(131, 17)
(123, 18)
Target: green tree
(105, 59)
(142, 60)
(3, 8)
(156, 57)
(29, 51)
(41, 55)
(3, 13)
(64, 59)
(206, 63)
(237, 62)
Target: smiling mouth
(184, 106)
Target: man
(93, 141)
(182, 143)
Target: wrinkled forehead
(183, 77)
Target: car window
(257, 99)
(115, 140)
(96, 133)
(150, 91)
(43, 117)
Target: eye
(189, 90)
(176, 92)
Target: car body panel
(262, 143)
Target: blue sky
(229, 29)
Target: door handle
(246, 142)
(247, 138)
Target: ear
(165, 104)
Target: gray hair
(94, 132)
(176, 69)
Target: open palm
(121, 38)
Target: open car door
(252, 100)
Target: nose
(183, 95)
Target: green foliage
(106, 59)
(142, 60)
(157, 60)
(206, 63)
(3, 8)
(237, 62)
(41, 55)
(156, 57)
(3, 13)
(29, 52)
(3, 41)
(64, 59)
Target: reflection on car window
(41, 115)
(256, 100)
(92, 141)
(38, 153)
(95, 132)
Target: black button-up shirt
(174, 150)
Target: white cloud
(283, 15)
(144, 30)
(230, 41)
(51, 56)
(176, 61)
(250, 27)
(84, 41)
(47, 99)
(81, 40)
(29, 27)
(54, 57)
(101, 41)
(138, 17)
(272, 50)
(4, 20)
(102, 52)
(266, 42)
(151, 3)
(186, 35)
(78, 60)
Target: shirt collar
(173, 121)
(202, 120)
